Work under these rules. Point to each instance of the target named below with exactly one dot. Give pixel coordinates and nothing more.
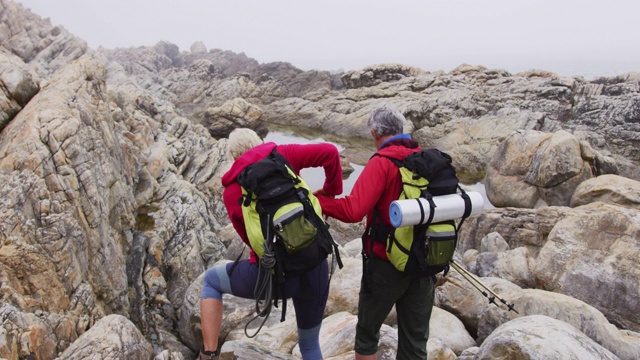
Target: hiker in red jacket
(377, 186)
(246, 148)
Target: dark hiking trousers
(413, 297)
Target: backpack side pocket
(441, 244)
(295, 230)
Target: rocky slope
(110, 210)
(466, 112)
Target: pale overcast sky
(587, 37)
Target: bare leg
(366, 357)
(210, 321)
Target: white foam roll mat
(448, 207)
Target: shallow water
(314, 176)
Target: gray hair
(241, 140)
(386, 122)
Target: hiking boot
(209, 355)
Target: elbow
(358, 218)
(352, 217)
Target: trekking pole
(471, 278)
(492, 299)
(462, 269)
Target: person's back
(246, 148)
(299, 157)
(384, 286)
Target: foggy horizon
(570, 38)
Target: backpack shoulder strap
(376, 230)
(252, 176)
(396, 162)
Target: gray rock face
(196, 81)
(540, 337)
(99, 343)
(111, 210)
(466, 112)
(583, 317)
(378, 74)
(592, 256)
(533, 168)
(97, 216)
(198, 47)
(588, 253)
(96, 196)
(233, 114)
(44, 47)
(79, 180)
(610, 189)
(18, 85)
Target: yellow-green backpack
(427, 248)
(284, 224)
(281, 213)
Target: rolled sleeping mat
(411, 212)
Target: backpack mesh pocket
(441, 246)
(295, 230)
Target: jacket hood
(398, 149)
(251, 156)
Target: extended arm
(323, 155)
(366, 193)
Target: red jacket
(299, 156)
(377, 186)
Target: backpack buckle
(302, 194)
(247, 199)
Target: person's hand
(322, 193)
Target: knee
(215, 283)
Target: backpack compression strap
(467, 207)
(376, 230)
